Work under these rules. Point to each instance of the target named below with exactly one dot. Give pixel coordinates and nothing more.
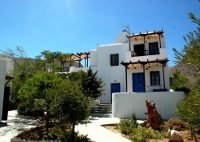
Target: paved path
(95, 131)
(14, 126)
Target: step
(102, 110)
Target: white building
(2, 85)
(132, 63)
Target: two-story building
(132, 63)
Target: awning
(139, 63)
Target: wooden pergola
(143, 36)
(142, 64)
(80, 56)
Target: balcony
(145, 54)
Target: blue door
(138, 82)
(115, 87)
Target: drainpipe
(144, 78)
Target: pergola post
(126, 77)
(163, 75)
(144, 77)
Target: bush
(143, 124)
(142, 134)
(23, 110)
(177, 124)
(59, 133)
(126, 125)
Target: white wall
(93, 58)
(149, 88)
(124, 104)
(110, 74)
(2, 84)
(75, 69)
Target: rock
(154, 119)
(174, 136)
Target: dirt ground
(185, 134)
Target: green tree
(188, 108)
(70, 104)
(180, 82)
(36, 93)
(91, 84)
(190, 54)
(24, 68)
(49, 58)
(63, 58)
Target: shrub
(177, 123)
(57, 132)
(126, 125)
(142, 134)
(143, 124)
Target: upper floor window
(114, 59)
(139, 50)
(153, 48)
(155, 77)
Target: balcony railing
(144, 52)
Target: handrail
(144, 52)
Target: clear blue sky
(72, 26)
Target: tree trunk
(193, 135)
(73, 133)
(47, 121)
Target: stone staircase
(102, 110)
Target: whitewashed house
(132, 63)
(134, 68)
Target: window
(153, 48)
(139, 50)
(114, 59)
(155, 78)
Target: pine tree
(189, 108)
(92, 85)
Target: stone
(154, 119)
(174, 136)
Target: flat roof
(146, 33)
